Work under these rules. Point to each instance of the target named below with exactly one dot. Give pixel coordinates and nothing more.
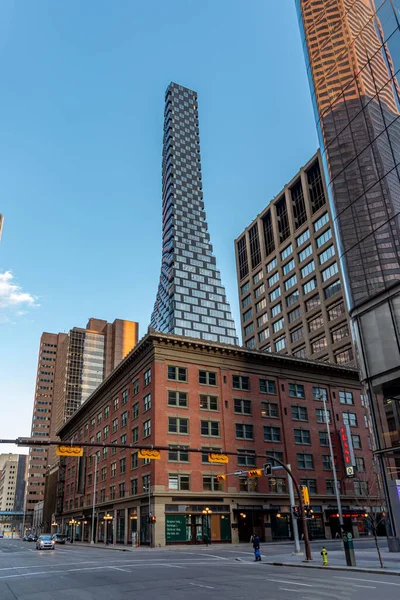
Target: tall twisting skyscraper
(352, 55)
(191, 300)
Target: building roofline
(156, 336)
(277, 196)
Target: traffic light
(254, 473)
(152, 520)
(309, 512)
(221, 478)
(296, 512)
(305, 496)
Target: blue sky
(80, 154)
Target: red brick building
(176, 391)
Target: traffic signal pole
(294, 521)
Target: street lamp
(72, 523)
(207, 512)
(107, 518)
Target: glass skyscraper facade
(352, 50)
(191, 299)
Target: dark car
(32, 538)
(59, 538)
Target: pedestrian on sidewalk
(256, 547)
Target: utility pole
(337, 490)
(297, 549)
(94, 495)
(150, 524)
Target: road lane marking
(209, 587)
(286, 581)
(119, 569)
(349, 580)
(372, 587)
(288, 590)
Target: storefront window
(120, 526)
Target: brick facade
(277, 414)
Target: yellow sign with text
(69, 450)
(215, 457)
(148, 453)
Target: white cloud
(12, 298)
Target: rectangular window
(122, 466)
(257, 277)
(335, 311)
(323, 438)
(113, 469)
(177, 373)
(286, 252)
(122, 489)
(310, 285)
(115, 404)
(136, 387)
(305, 253)
(245, 288)
(104, 473)
(360, 464)
(321, 222)
(124, 418)
(320, 414)
(296, 390)
(211, 428)
(212, 484)
(112, 492)
(330, 486)
(135, 410)
(263, 335)
(267, 386)
(179, 399)
(332, 289)
(346, 397)
(207, 378)
(361, 488)
(147, 377)
(272, 280)
(115, 425)
(277, 455)
(249, 329)
(344, 357)
(312, 302)
(246, 301)
(300, 352)
(315, 323)
(299, 413)
(106, 412)
(134, 487)
(272, 434)
(272, 265)
(262, 320)
(135, 435)
(292, 298)
(98, 436)
(254, 242)
(297, 334)
(319, 344)
(260, 305)
(287, 268)
(244, 432)
(124, 398)
(242, 257)
(134, 460)
(289, 283)
(147, 402)
(320, 393)
(277, 485)
(350, 419)
(307, 269)
(240, 382)
(326, 254)
(178, 455)
(147, 428)
(242, 407)
(329, 272)
(179, 482)
(275, 294)
(178, 425)
(275, 310)
(208, 402)
(356, 442)
(280, 344)
(303, 238)
(145, 483)
(248, 459)
(259, 291)
(278, 325)
(305, 461)
(269, 410)
(322, 239)
(294, 314)
(311, 484)
(248, 314)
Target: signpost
(149, 454)
(215, 457)
(64, 450)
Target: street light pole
(337, 491)
(94, 496)
(294, 521)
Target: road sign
(267, 469)
(64, 450)
(349, 471)
(148, 453)
(215, 457)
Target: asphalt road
(84, 573)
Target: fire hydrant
(324, 554)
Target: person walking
(256, 546)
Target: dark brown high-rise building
(352, 54)
(290, 284)
(70, 367)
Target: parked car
(45, 542)
(1, 536)
(59, 538)
(32, 538)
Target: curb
(383, 571)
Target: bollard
(324, 554)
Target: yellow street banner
(215, 457)
(69, 450)
(148, 453)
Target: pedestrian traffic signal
(152, 519)
(254, 473)
(296, 512)
(221, 478)
(305, 496)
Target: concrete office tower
(352, 54)
(70, 367)
(13, 471)
(191, 299)
(290, 284)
